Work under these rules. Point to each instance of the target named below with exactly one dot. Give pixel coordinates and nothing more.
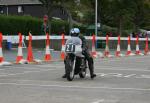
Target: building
(28, 7)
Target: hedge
(59, 26)
(11, 25)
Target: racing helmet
(75, 32)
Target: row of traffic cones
(128, 53)
(106, 53)
(30, 58)
(48, 57)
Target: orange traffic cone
(94, 53)
(20, 54)
(30, 54)
(47, 53)
(129, 47)
(118, 47)
(106, 52)
(129, 53)
(1, 52)
(62, 55)
(146, 46)
(138, 52)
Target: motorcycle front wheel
(70, 66)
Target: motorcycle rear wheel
(82, 74)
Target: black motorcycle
(75, 62)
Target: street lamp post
(96, 20)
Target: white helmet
(75, 32)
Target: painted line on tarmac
(120, 59)
(32, 67)
(77, 87)
(111, 68)
(26, 72)
(103, 68)
(96, 68)
(99, 101)
(119, 75)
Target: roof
(19, 2)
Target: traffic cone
(1, 52)
(129, 53)
(62, 55)
(118, 53)
(106, 52)
(47, 53)
(138, 52)
(2, 62)
(94, 53)
(30, 54)
(146, 46)
(20, 54)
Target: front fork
(72, 61)
(73, 66)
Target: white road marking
(130, 75)
(96, 68)
(99, 101)
(119, 75)
(76, 87)
(112, 68)
(144, 76)
(101, 68)
(25, 72)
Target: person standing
(45, 27)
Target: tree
(137, 19)
(146, 23)
(141, 13)
(121, 12)
(104, 12)
(124, 14)
(50, 5)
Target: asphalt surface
(119, 80)
(10, 55)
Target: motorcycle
(75, 62)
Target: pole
(96, 20)
(7, 10)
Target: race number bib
(70, 48)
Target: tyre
(82, 74)
(70, 65)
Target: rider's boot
(93, 76)
(64, 76)
(91, 68)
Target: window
(1, 10)
(63, 11)
(20, 9)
